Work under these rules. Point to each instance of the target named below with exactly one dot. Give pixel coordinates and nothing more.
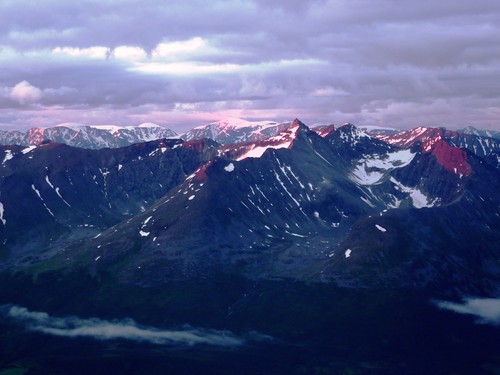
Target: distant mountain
(430, 138)
(482, 133)
(323, 130)
(236, 130)
(347, 208)
(90, 137)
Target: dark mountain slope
(56, 190)
(452, 245)
(266, 216)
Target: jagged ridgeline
(338, 205)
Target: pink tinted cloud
(24, 92)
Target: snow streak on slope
(1, 214)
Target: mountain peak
(284, 139)
(235, 122)
(296, 122)
(234, 130)
(149, 125)
(350, 133)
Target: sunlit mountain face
(263, 247)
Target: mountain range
(296, 250)
(227, 131)
(84, 136)
(297, 204)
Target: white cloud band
(126, 329)
(486, 309)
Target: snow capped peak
(288, 134)
(149, 125)
(470, 130)
(351, 134)
(235, 130)
(407, 137)
(89, 136)
(71, 125)
(234, 122)
(284, 139)
(109, 128)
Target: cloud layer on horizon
(185, 63)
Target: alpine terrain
(251, 248)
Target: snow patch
(8, 156)
(28, 149)
(419, 199)
(380, 228)
(371, 171)
(40, 196)
(191, 197)
(1, 214)
(144, 234)
(348, 253)
(229, 167)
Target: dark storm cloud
(393, 63)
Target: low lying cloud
(126, 329)
(486, 309)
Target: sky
(186, 63)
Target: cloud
(125, 329)
(129, 53)
(183, 68)
(177, 48)
(486, 309)
(24, 93)
(97, 52)
(325, 60)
